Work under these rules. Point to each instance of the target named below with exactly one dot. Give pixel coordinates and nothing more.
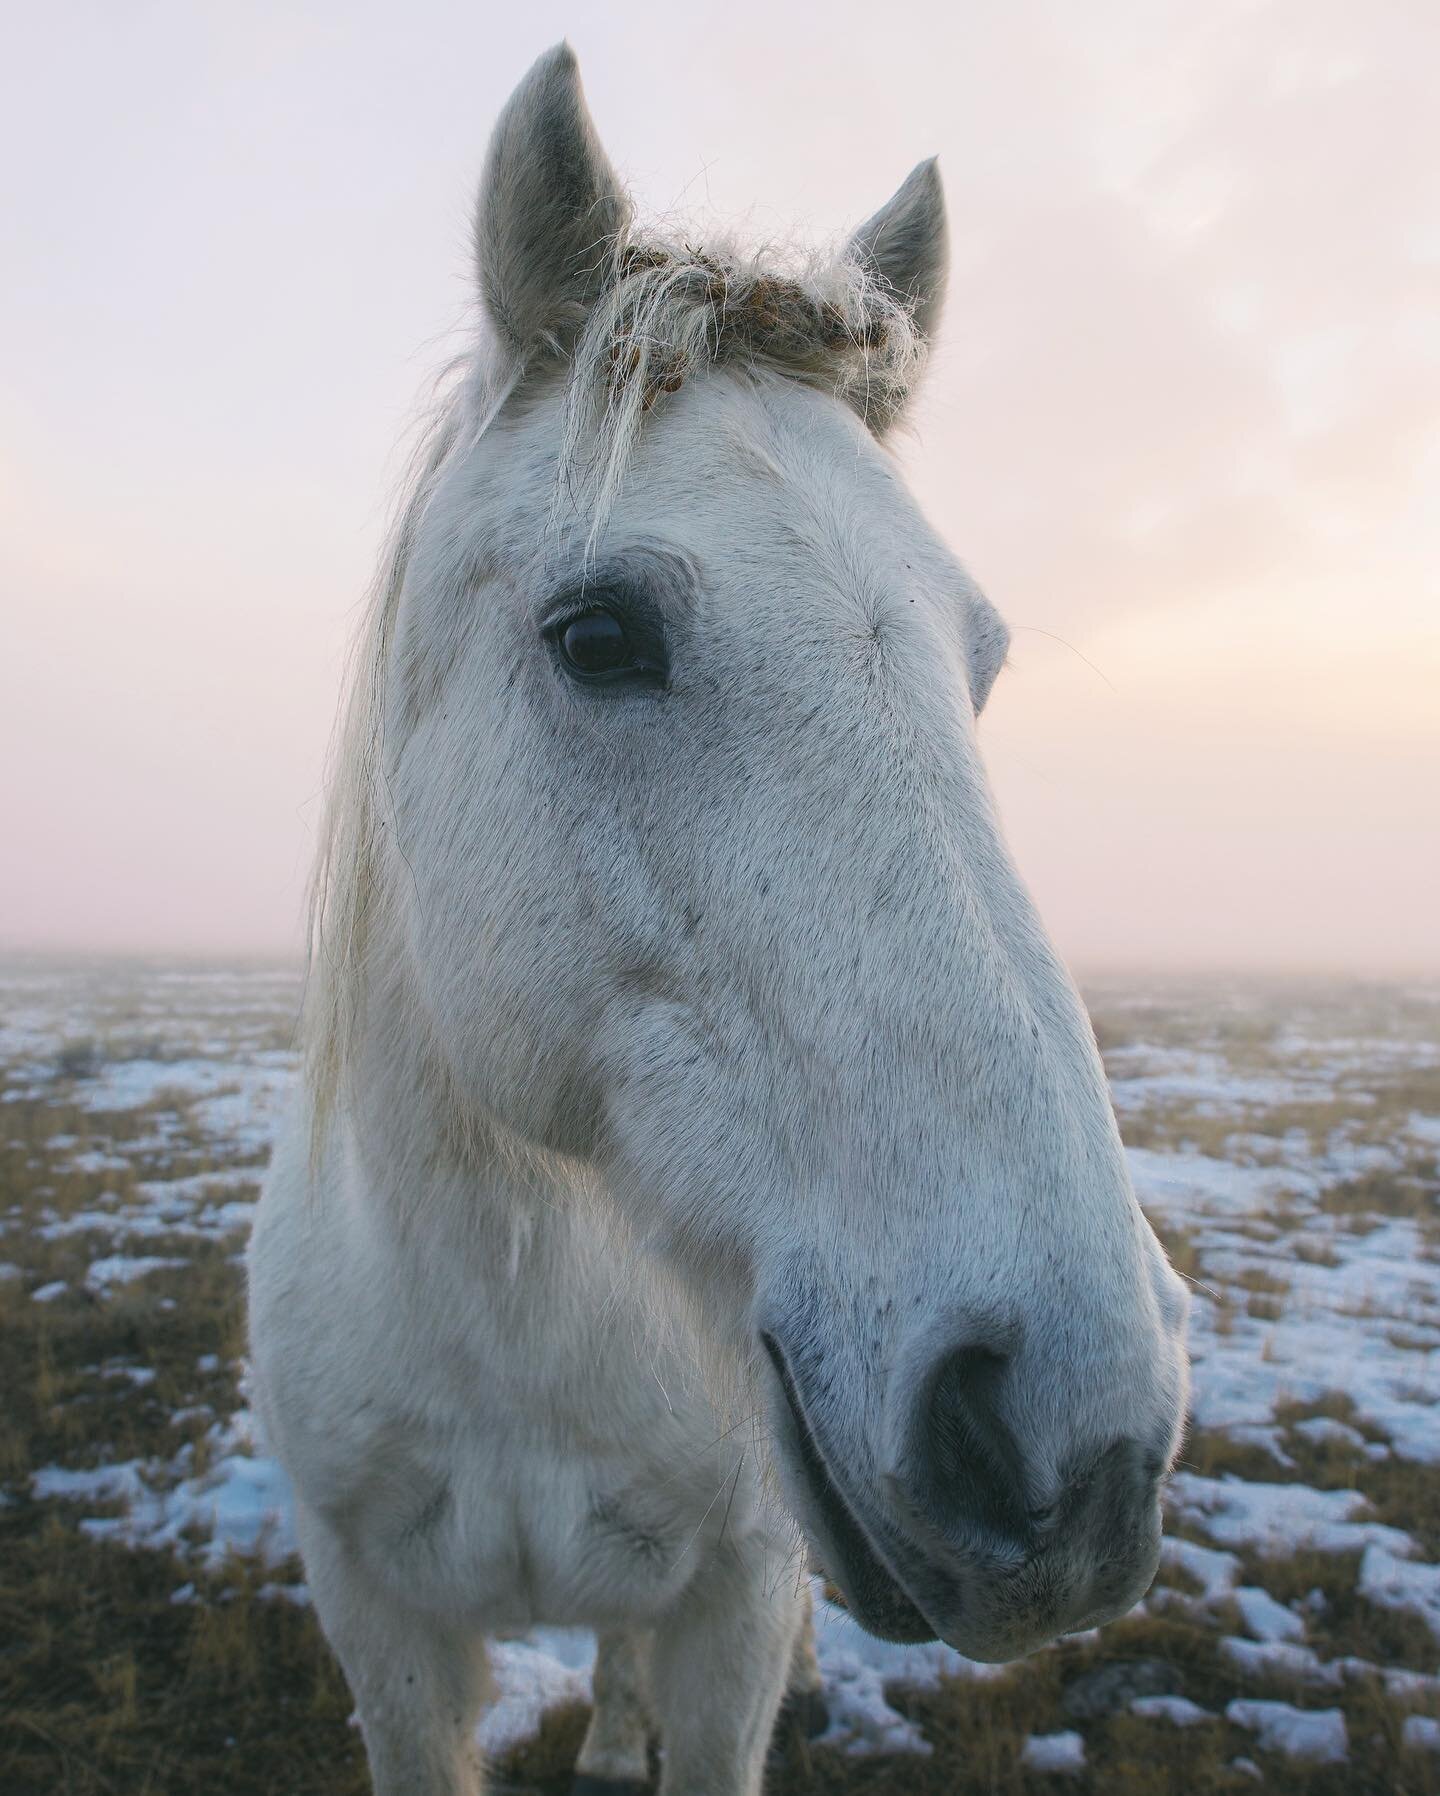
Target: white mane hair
(665, 312)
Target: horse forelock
(669, 310)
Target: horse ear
(550, 205)
(907, 243)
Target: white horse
(698, 1129)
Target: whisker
(722, 1436)
(725, 1519)
(1035, 630)
(1199, 1284)
(703, 1519)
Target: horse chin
(876, 1600)
(841, 1547)
(851, 1567)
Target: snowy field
(1283, 1140)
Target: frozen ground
(1285, 1143)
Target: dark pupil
(596, 643)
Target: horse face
(705, 892)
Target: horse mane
(666, 311)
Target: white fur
(641, 1018)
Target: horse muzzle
(942, 1535)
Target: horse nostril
(971, 1466)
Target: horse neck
(442, 1190)
(446, 1189)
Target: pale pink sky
(1185, 416)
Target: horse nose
(962, 1467)
(962, 1471)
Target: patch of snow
(1420, 1734)
(168, 1207)
(92, 1161)
(299, 1594)
(245, 1120)
(183, 1193)
(1179, 1187)
(856, 1668)
(1424, 1128)
(138, 1375)
(1264, 1618)
(1264, 1435)
(223, 1219)
(1405, 1584)
(1215, 1570)
(48, 1293)
(1144, 1075)
(1325, 1430)
(104, 1484)
(1061, 1753)
(136, 1084)
(1279, 1518)
(1178, 1709)
(242, 1502)
(121, 1269)
(1281, 1658)
(1411, 1685)
(1334, 1329)
(531, 1675)
(1344, 1159)
(78, 1222)
(1317, 1736)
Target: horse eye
(596, 645)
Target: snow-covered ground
(1292, 1169)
